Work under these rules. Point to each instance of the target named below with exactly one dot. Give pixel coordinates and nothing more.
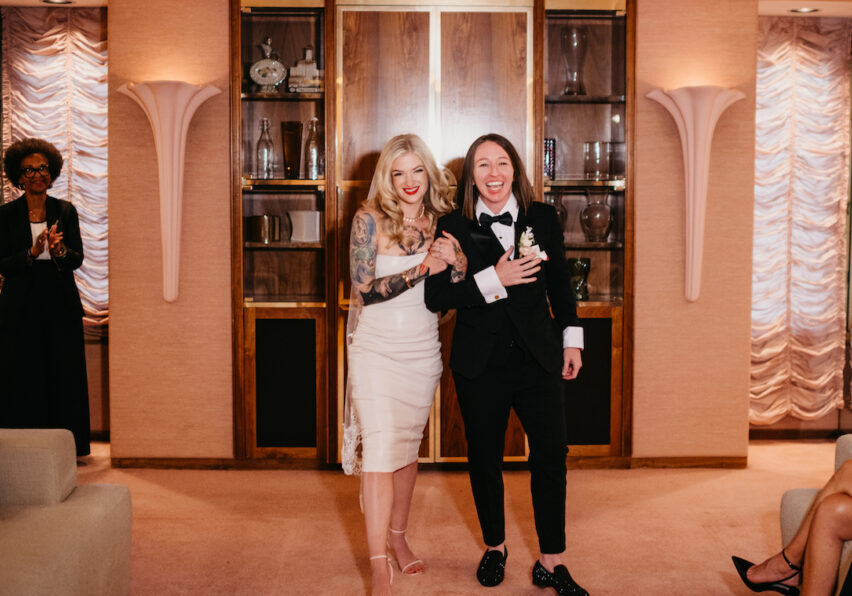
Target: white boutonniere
(527, 245)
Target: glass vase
(578, 269)
(596, 216)
(573, 55)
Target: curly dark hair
(17, 151)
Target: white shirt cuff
(572, 337)
(489, 285)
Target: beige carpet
(646, 531)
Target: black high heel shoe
(743, 566)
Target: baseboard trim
(209, 463)
(690, 462)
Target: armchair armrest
(38, 466)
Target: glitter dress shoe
(492, 567)
(777, 586)
(560, 580)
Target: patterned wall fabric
(54, 86)
(800, 200)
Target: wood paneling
(385, 84)
(483, 79)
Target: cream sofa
(57, 538)
(795, 504)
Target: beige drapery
(801, 182)
(54, 86)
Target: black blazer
(528, 306)
(16, 239)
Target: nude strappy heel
(390, 567)
(402, 569)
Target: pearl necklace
(414, 220)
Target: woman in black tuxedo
(508, 352)
(42, 358)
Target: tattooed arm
(459, 269)
(448, 250)
(363, 249)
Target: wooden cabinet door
(392, 80)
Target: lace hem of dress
(350, 452)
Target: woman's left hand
(54, 242)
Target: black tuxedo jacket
(16, 239)
(528, 306)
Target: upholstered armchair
(795, 504)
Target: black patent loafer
(492, 567)
(560, 580)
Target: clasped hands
(50, 237)
(443, 253)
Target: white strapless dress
(394, 369)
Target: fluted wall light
(169, 106)
(695, 111)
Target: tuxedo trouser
(514, 380)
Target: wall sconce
(695, 111)
(169, 106)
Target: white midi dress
(394, 369)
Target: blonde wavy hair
(383, 198)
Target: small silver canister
(263, 228)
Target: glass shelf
(285, 245)
(600, 300)
(594, 245)
(250, 183)
(560, 183)
(605, 99)
(283, 96)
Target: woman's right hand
(434, 264)
(38, 246)
(517, 271)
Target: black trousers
(515, 380)
(43, 382)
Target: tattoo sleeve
(459, 269)
(363, 249)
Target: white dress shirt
(489, 283)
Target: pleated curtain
(799, 283)
(54, 86)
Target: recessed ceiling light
(804, 10)
(57, 1)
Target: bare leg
(774, 568)
(378, 497)
(403, 490)
(831, 525)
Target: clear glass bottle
(314, 153)
(265, 154)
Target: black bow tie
(486, 220)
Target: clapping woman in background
(42, 357)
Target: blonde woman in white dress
(393, 347)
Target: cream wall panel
(170, 363)
(691, 360)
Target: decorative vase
(291, 139)
(573, 54)
(561, 212)
(579, 272)
(264, 151)
(596, 216)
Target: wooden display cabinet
(282, 272)
(579, 113)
